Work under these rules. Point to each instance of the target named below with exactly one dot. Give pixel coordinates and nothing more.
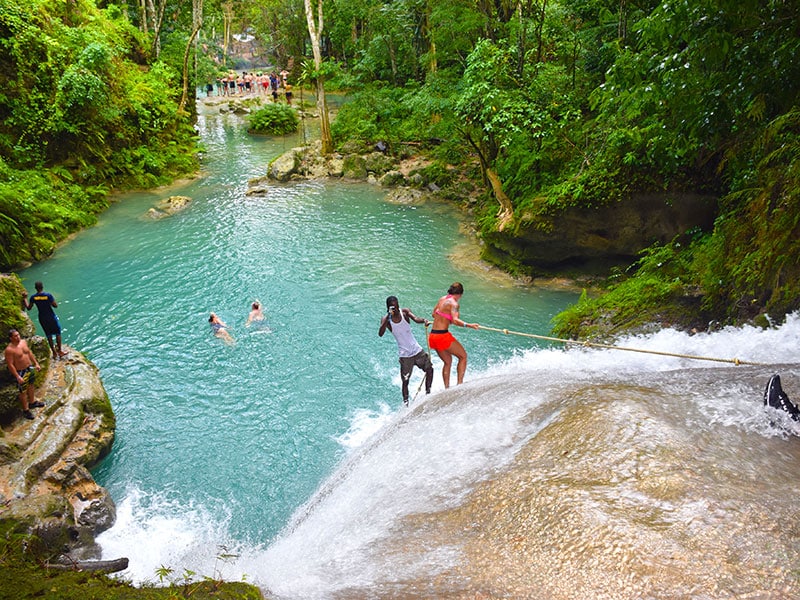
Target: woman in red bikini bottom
(442, 340)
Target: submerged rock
(168, 207)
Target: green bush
(656, 291)
(274, 119)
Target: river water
(286, 458)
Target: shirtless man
(21, 362)
(440, 338)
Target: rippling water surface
(244, 433)
(286, 457)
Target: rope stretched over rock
(734, 361)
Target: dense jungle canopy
(544, 104)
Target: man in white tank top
(398, 321)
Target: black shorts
(407, 364)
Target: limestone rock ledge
(45, 484)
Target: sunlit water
(287, 458)
(217, 444)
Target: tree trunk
(315, 33)
(392, 58)
(506, 212)
(156, 17)
(432, 40)
(143, 15)
(490, 176)
(185, 95)
(105, 566)
(539, 35)
(227, 13)
(197, 24)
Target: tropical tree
(315, 30)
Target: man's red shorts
(441, 341)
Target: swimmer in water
(219, 328)
(257, 319)
(256, 314)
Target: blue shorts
(51, 326)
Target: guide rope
(587, 344)
(428, 344)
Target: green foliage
(11, 317)
(37, 208)
(375, 113)
(309, 73)
(750, 262)
(23, 560)
(650, 296)
(390, 43)
(80, 117)
(274, 119)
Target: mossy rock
(11, 314)
(354, 167)
(353, 147)
(392, 179)
(378, 163)
(9, 453)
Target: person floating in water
(45, 303)
(257, 319)
(219, 328)
(398, 321)
(441, 340)
(256, 314)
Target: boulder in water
(283, 167)
(168, 207)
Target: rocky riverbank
(46, 488)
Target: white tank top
(406, 343)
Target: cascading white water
(287, 458)
(635, 475)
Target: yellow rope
(414, 399)
(735, 361)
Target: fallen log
(104, 566)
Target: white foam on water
(422, 459)
(157, 532)
(364, 424)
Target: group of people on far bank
(259, 83)
(20, 359)
(446, 312)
